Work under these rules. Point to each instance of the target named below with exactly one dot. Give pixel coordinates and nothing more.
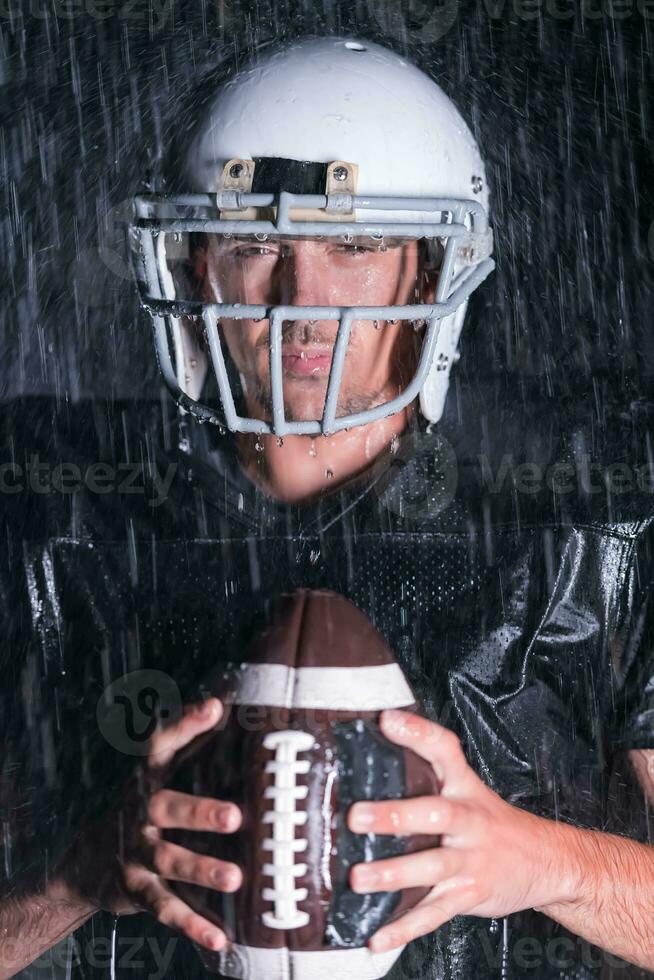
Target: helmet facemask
(216, 265)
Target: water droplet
(329, 473)
(395, 443)
(312, 449)
(258, 445)
(280, 441)
(376, 324)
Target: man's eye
(355, 249)
(253, 251)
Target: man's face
(381, 356)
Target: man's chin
(304, 401)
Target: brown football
(298, 745)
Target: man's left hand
(494, 858)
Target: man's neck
(302, 468)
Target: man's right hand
(123, 865)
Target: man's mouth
(306, 361)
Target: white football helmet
(324, 137)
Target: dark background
(558, 94)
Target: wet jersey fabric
(517, 601)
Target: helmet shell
(332, 99)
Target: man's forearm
(33, 924)
(613, 901)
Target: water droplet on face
(280, 441)
(376, 324)
(329, 474)
(258, 445)
(312, 449)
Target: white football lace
(284, 818)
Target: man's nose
(300, 280)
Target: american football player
(307, 267)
